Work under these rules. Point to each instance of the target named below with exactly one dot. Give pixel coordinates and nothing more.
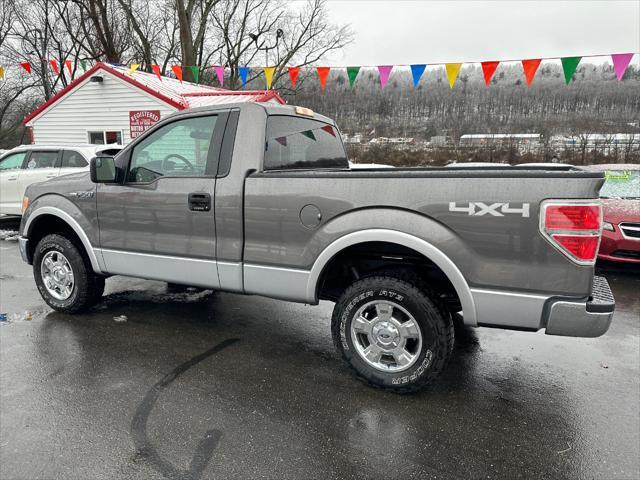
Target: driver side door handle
(199, 202)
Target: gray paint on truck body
(253, 240)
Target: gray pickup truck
(260, 199)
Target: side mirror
(103, 170)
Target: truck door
(160, 222)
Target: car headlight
(608, 226)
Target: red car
(620, 197)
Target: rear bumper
(573, 317)
(582, 319)
(23, 245)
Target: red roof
(180, 95)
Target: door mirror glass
(103, 170)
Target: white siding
(94, 106)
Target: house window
(105, 137)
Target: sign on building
(142, 120)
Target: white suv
(27, 164)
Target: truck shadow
(291, 363)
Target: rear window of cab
(295, 143)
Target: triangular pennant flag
(530, 68)
(54, 66)
(1, 72)
(243, 72)
(323, 73)
(453, 69)
(309, 134)
(133, 67)
(195, 71)
(569, 65)
(488, 69)
(83, 64)
(329, 129)
(352, 73)
(416, 72)
(282, 141)
(26, 66)
(177, 70)
(69, 66)
(620, 63)
(384, 71)
(220, 75)
(293, 75)
(156, 69)
(268, 76)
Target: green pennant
(83, 64)
(309, 134)
(569, 65)
(352, 73)
(196, 73)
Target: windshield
(621, 184)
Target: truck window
(302, 143)
(179, 149)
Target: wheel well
(47, 224)
(371, 258)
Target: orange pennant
(488, 69)
(293, 75)
(177, 70)
(54, 66)
(530, 68)
(156, 70)
(323, 73)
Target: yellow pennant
(452, 72)
(133, 67)
(268, 75)
(1, 72)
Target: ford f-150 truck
(260, 199)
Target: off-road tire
(433, 320)
(88, 286)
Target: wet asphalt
(216, 385)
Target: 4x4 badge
(478, 209)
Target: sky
(424, 31)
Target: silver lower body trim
(509, 309)
(181, 270)
(283, 283)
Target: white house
(108, 104)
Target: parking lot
(214, 385)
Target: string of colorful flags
(530, 66)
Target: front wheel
(64, 276)
(392, 333)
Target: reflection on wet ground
(211, 385)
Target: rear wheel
(392, 333)
(64, 276)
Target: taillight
(573, 227)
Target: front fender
(82, 221)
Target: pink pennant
(385, 71)
(620, 63)
(282, 141)
(220, 74)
